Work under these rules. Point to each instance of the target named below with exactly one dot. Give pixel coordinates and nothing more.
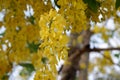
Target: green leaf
(117, 55)
(32, 19)
(117, 5)
(28, 66)
(44, 60)
(33, 47)
(92, 4)
(1, 34)
(5, 77)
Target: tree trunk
(77, 56)
(83, 73)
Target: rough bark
(77, 55)
(83, 73)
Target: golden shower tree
(35, 36)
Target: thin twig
(102, 49)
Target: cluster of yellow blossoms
(53, 46)
(21, 32)
(74, 13)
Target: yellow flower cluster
(53, 47)
(103, 30)
(20, 30)
(74, 12)
(4, 64)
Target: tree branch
(103, 49)
(87, 49)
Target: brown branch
(76, 53)
(87, 49)
(102, 49)
(105, 49)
